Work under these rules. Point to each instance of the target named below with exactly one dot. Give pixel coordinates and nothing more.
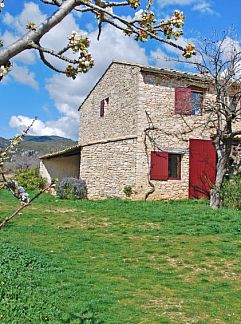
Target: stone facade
(157, 107)
(132, 95)
(138, 117)
(120, 85)
(113, 164)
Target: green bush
(128, 191)
(30, 179)
(231, 192)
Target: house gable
(110, 110)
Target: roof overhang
(175, 73)
(73, 150)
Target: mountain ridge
(41, 144)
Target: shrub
(30, 179)
(71, 188)
(128, 191)
(231, 192)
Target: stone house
(142, 127)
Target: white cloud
(229, 47)
(24, 76)
(8, 19)
(113, 45)
(172, 58)
(160, 58)
(165, 3)
(68, 94)
(17, 27)
(39, 128)
(203, 6)
(30, 13)
(57, 38)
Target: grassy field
(119, 262)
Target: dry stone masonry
(129, 114)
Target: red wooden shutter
(183, 101)
(102, 108)
(159, 166)
(202, 168)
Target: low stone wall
(108, 167)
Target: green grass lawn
(119, 261)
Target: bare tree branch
(18, 210)
(34, 36)
(52, 53)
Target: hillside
(40, 144)
(31, 148)
(45, 144)
(3, 143)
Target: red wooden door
(202, 168)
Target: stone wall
(156, 109)
(138, 101)
(108, 167)
(120, 85)
(58, 167)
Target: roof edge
(98, 81)
(151, 69)
(58, 153)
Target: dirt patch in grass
(83, 223)
(61, 211)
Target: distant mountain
(3, 143)
(27, 153)
(56, 139)
(40, 144)
(45, 144)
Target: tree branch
(48, 64)
(53, 53)
(17, 211)
(132, 24)
(35, 35)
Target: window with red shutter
(188, 101)
(159, 166)
(183, 101)
(165, 166)
(197, 100)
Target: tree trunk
(222, 164)
(215, 199)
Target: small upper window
(103, 103)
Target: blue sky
(31, 89)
